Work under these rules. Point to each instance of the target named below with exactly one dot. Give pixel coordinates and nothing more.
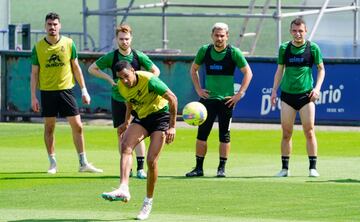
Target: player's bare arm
(244, 85)
(203, 93)
(315, 93)
(35, 105)
(173, 103)
(95, 71)
(80, 79)
(277, 79)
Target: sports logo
(54, 61)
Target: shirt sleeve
(280, 59)
(199, 58)
(105, 61)
(34, 58)
(145, 61)
(74, 54)
(316, 52)
(239, 58)
(158, 86)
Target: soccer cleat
(117, 195)
(145, 211)
(220, 173)
(90, 169)
(313, 173)
(52, 169)
(141, 174)
(283, 173)
(195, 173)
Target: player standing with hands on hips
(294, 76)
(118, 108)
(155, 107)
(218, 96)
(54, 70)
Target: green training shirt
(106, 61)
(298, 79)
(220, 86)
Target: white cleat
(52, 169)
(90, 169)
(283, 173)
(313, 173)
(141, 174)
(120, 194)
(145, 211)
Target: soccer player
(294, 76)
(217, 95)
(137, 60)
(155, 109)
(54, 67)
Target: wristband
(84, 91)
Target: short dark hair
(52, 16)
(298, 21)
(121, 65)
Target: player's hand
(170, 135)
(203, 93)
(35, 105)
(232, 100)
(273, 98)
(85, 96)
(122, 128)
(112, 82)
(314, 95)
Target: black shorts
(118, 111)
(216, 108)
(154, 122)
(58, 103)
(296, 101)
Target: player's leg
(68, 108)
(307, 116)
(78, 139)
(201, 141)
(157, 140)
(140, 157)
(118, 115)
(49, 110)
(131, 137)
(224, 118)
(288, 115)
(49, 138)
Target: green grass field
(248, 194)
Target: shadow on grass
(336, 181)
(215, 177)
(76, 220)
(43, 175)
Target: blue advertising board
(339, 102)
(339, 99)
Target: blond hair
(123, 28)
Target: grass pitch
(249, 193)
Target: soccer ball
(194, 113)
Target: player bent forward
(155, 107)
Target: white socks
(52, 159)
(82, 159)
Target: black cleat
(195, 173)
(220, 173)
